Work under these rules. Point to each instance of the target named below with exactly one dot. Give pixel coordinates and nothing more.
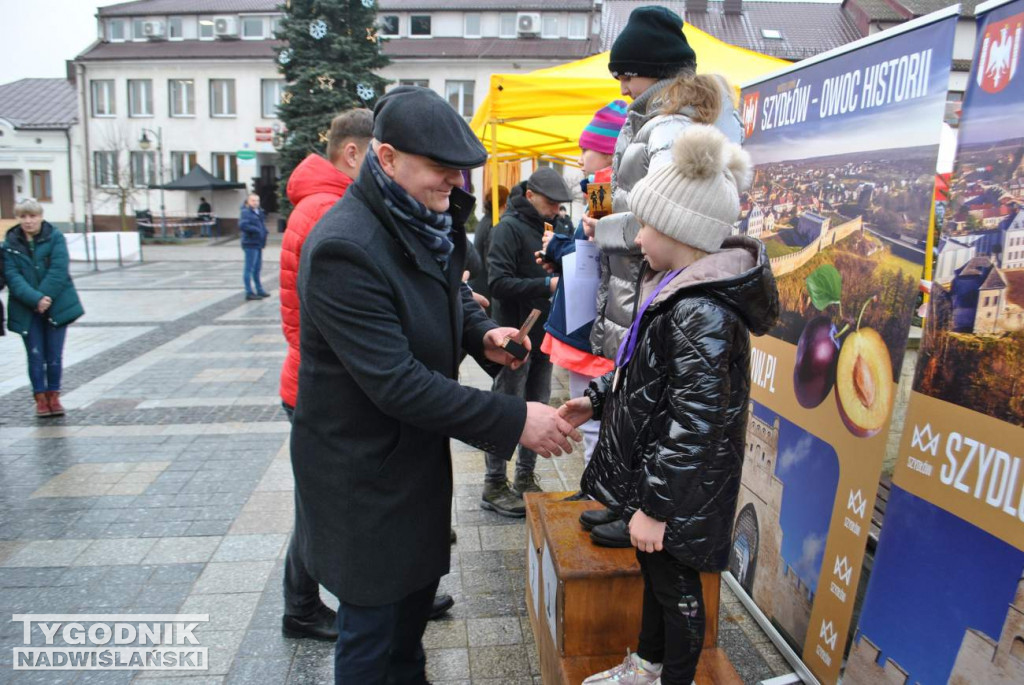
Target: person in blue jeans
(254, 238)
(43, 300)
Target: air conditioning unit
(154, 30)
(528, 23)
(225, 27)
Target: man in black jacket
(519, 285)
(384, 318)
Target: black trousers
(672, 629)
(301, 591)
(383, 645)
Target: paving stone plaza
(167, 489)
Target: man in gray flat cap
(518, 285)
(385, 317)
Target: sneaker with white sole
(632, 671)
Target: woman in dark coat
(42, 300)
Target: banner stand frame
(780, 643)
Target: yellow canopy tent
(542, 113)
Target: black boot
(596, 517)
(442, 603)
(321, 624)
(614, 534)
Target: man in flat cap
(385, 316)
(519, 285)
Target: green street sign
(246, 154)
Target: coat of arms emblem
(1000, 53)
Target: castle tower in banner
(756, 560)
(984, 660)
(862, 668)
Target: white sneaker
(632, 671)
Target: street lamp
(145, 144)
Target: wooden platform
(585, 602)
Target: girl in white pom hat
(674, 410)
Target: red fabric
(314, 187)
(568, 357)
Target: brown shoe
(42, 405)
(53, 399)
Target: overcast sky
(38, 35)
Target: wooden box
(586, 601)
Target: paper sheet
(582, 273)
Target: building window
(419, 25)
(181, 164)
(206, 29)
(143, 168)
(42, 187)
(421, 82)
(182, 97)
(252, 27)
(771, 34)
(276, 26)
(225, 166)
(138, 29)
(104, 166)
(140, 98)
(174, 29)
(460, 96)
(549, 26)
(389, 25)
(222, 97)
(103, 98)
(507, 25)
(577, 26)
(272, 89)
(116, 30)
(472, 25)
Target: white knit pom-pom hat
(695, 199)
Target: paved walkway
(167, 489)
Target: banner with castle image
(945, 603)
(844, 149)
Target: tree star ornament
(318, 28)
(323, 137)
(371, 35)
(326, 82)
(364, 91)
(286, 97)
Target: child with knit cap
(674, 410)
(570, 349)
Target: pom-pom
(741, 167)
(699, 151)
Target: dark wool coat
(518, 283)
(382, 330)
(673, 429)
(33, 273)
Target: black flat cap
(419, 121)
(550, 184)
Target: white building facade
(161, 92)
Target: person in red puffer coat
(314, 187)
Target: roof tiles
(39, 103)
(182, 49)
(488, 48)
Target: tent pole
(495, 209)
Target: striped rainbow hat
(603, 129)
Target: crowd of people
(383, 295)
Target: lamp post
(145, 144)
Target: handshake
(548, 430)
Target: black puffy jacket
(673, 426)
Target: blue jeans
(253, 265)
(383, 645)
(45, 347)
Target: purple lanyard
(628, 345)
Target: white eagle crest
(999, 64)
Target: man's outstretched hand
(545, 432)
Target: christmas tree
(331, 52)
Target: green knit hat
(695, 199)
